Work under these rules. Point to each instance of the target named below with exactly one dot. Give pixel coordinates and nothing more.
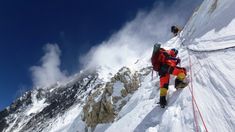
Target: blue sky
(74, 25)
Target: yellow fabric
(163, 91)
(181, 76)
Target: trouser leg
(164, 83)
(181, 74)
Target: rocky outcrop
(101, 101)
(105, 102)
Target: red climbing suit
(168, 67)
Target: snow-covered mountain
(126, 100)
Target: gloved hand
(178, 61)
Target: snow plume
(49, 72)
(136, 38)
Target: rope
(191, 91)
(194, 100)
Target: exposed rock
(101, 102)
(104, 110)
(124, 92)
(109, 88)
(116, 99)
(98, 112)
(58, 99)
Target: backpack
(156, 56)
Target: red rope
(191, 91)
(194, 100)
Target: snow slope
(207, 50)
(208, 40)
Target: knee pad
(181, 76)
(163, 91)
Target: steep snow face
(142, 113)
(208, 41)
(214, 22)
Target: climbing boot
(163, 102)
(180, 84)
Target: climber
(165, 63)
(175, 30)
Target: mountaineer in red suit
(165, 63)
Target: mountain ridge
(127, 100)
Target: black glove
(178, 61)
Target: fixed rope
(194, 102)
(191, 91)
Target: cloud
(49, 72)
(134, 39)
